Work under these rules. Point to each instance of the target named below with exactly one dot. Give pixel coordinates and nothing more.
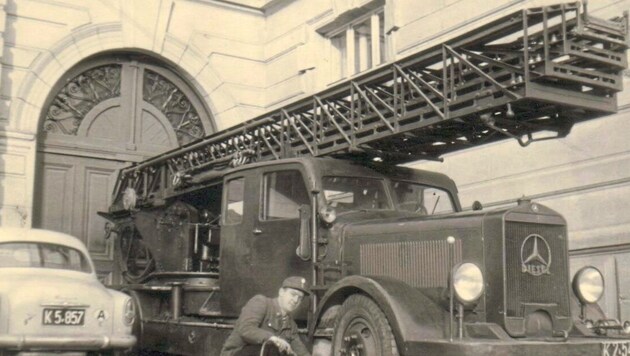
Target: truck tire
(362, 329)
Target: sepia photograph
(314, 177)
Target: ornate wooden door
(106, 114)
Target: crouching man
(268, 321)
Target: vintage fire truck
(397, 266)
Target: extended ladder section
(528, 76)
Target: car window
(422, 198)
(42, 255)
(355, 193)
(284, 193)
(235, 198)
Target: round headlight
(468, 282)
(129, 312)
(328, 214)
(588, 284)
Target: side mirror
(477, 205)
(304, 248)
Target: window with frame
(43, 255)
(284, 193)
(422, 199)
(359, 45)
(355, 193)
(234, 203)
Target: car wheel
(363, 330)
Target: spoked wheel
(363, 330)
(134, 257)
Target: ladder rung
(621, 43)
(615, 28)
(594, 54)
(579, 75)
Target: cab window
(284, 193)
(234, 202)
(355, 193)
(422, 198)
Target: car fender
(137, 328)
(411, 314)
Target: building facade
(88, 86)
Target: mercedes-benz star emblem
(535, 255)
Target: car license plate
(57, 316)
(616, 348)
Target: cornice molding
(18, 135)
(259, 7)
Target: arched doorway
(104, 114)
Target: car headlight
(468, 282)
(129, 312)
(588, 285)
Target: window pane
(42, 255)
(61, 257)
(359, 46)
(19, 255)
(284, 193)
(437, 201)
(339, 56)
(381, 32)
(351, 193)
(235, 194)
(422, 199)
(363, 46)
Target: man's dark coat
(260, 319)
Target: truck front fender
(411, 314)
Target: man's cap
(298, 283)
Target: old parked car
(51, 299)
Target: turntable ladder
(528, 76)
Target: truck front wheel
(362, 329)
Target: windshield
(422, 198)
(42, 255)
(355, 193)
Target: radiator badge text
(535, 255)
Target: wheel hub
(358, 340)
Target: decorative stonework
(79, 96)
(174, 104)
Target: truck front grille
(526, 287)
(421, 264)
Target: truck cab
(265, 207)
